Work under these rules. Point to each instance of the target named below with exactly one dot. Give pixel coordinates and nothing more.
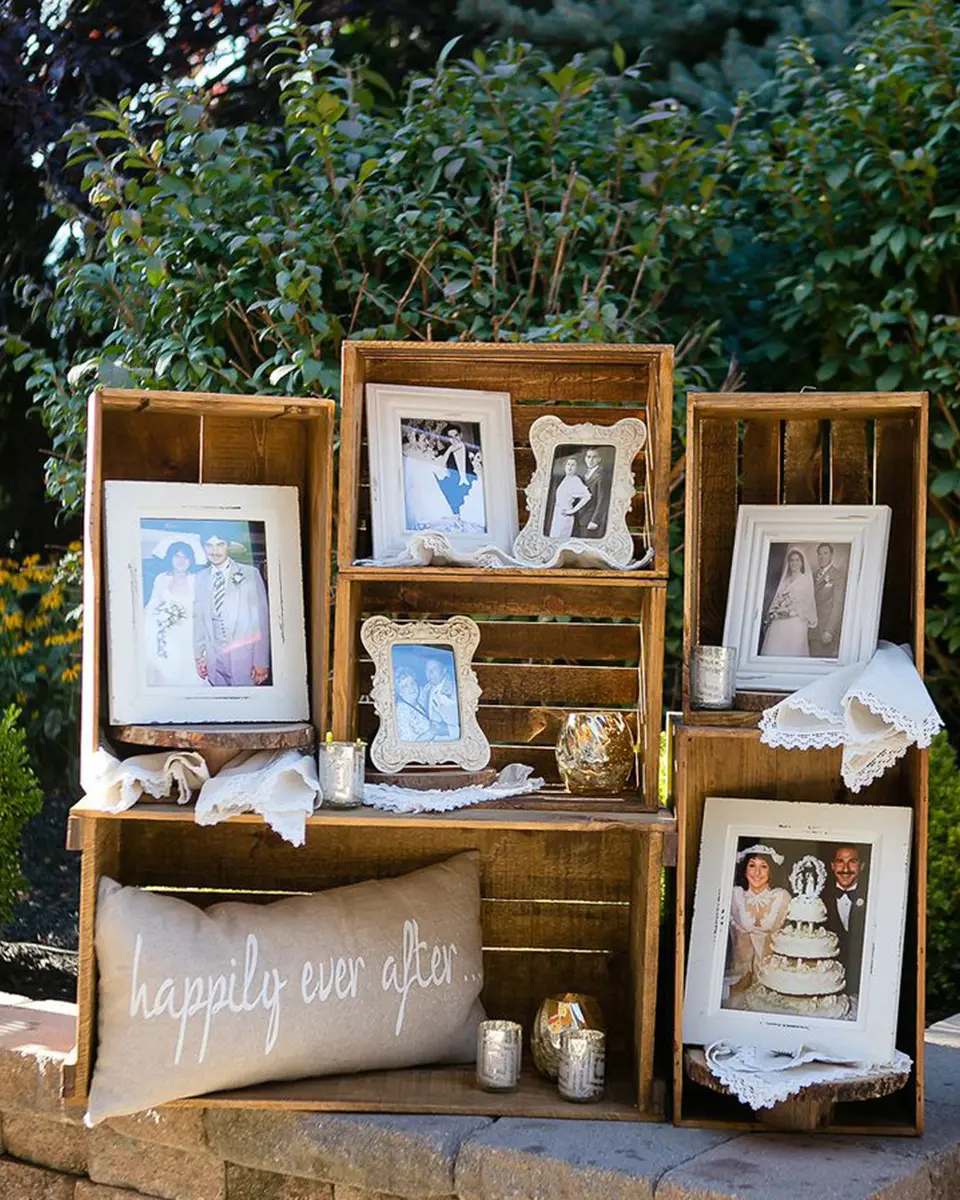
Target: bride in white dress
(757, 911)
(792, 612)
(168, 622)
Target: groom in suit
(231, 620)
(846, 899)
(829, 593)
(591, 520)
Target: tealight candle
(499, 1051)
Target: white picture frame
(790, 618)
(425, 692)
(722, 1004)
(160, 604)
(425, 479)
(595, 462)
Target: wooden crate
(568, 903)
(734, 762)
(552, 641)
(806, 448)
(192, 437)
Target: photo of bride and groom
(804, 598)
(578, 503)
(206, 612)
(442, 476)
(425, 693)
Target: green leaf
(619, 56)
(945, 483)
(367, 168)
(447, 50)
(280, 373)
(888, 381)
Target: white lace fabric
(514, 780)
(434, 549)
(281, 785)
(114, 785)
(874, 710)
(764, 1078)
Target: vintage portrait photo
(206, 612)
(799, 912)
(425, 689)
(425, 692)
(795, 935)
(205, 603)
(441, 463)
(442, 476)
(806, 581)
(804, 598)
(578, 502)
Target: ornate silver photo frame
(425, 692)
(581, 490)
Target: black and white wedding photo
(442, 476)
(578, 502)
(804, 598)
(425, 693)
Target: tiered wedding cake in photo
(802, 975)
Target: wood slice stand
(217, 743)
(810, 1109)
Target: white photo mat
(870, 1037)
(132, 700)
(387, 407)
(865, 528)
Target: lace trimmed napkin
(514, 780)
(114, 785)
(874, 710)
(426, 549)
(763, 1078)
(280, 785)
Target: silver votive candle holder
(499, 1052)
(713, 676)
(340, 771)
(582, 1065)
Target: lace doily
(115, 786)
(764, 1078)
(280, 785)
(514, 780)
(874, 710)
(434, 549)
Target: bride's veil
(801, 587)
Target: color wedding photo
(206, 610)
(804, 597)
(578, 502)
(442, 476)
(425, 693)
(797, 918)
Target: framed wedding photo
(441, 461)
(205, 619)
(581, 489)
(805, 590)
(798, 925)
(425, 692)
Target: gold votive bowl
(555, 1016)
(595, 752)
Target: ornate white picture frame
(581, 490)
(205, 610)
(426, 693)
(441, 461)
(806, 584)
(798, 927)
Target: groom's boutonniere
(859, 902)
(236, 578)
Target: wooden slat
(524, 416)
(570, 641)
(802, 462)
(850, 475)
(444, 595)
(317, 534)
(896, 484)
(146, 445)
(545, 685)
(645, 949)
(760, 462)
(515, 864)
(711, 524)
(517, 725)
(346, 679)
(811, 406)
(223, 404)
(253, 451)
(351, 423)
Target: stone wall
(251, 1154)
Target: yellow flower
(13, 620)
(21, 697)
(23, 649)
(31, 560)
(70, 674)
(52, 599)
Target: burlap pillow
(375, 975)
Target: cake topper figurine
(808, 876)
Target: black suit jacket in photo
(851, 940)
(596, 508)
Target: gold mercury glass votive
(582, 1064)
(595, 752)
(499, 1053)
(340, 771)
(557, 1015)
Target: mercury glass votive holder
(499, 1054)
(340, 770)
(713, 676)
(582, 1065)
(595, 752)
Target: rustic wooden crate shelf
(560, 577)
